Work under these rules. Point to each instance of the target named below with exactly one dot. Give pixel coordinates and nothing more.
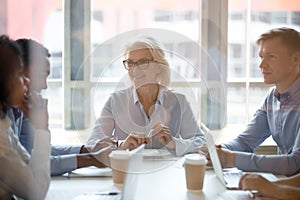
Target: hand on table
(96, 155)
(227, 157)
(134, 140)
(259, 183)
(102, 156)
(163, 134)
(104, 142)
(203, 150)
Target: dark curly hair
(9, 53)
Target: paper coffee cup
(194, 171)
(118, 163)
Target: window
(169, 24)
(162, 15)
(254, 62)
(279, 17)
(246, 89)
(236, 50)
(212, 52)
(236, 15)
(296, 18)
(260, 17)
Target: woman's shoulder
(170, 97)
(122, 93)
(172, 93)
(5, 123)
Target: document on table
(90, 172)
(158, 154)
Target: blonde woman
(148, 112)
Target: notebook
(130, 183)
(228, 177)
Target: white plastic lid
(119, 154)
(195, 159)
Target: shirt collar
(290, 91)
(159, 96)
(135, 96)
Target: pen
(150, 134)
(250, 194)
(107, 193)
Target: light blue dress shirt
(278, 117)
(123, 113)
(63, 158)
(22, 128)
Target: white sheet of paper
(90, 172)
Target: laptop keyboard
(98, 197)
(233, 178)
(110, 197)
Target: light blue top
(278, 117)
(63, 158)
(123, 113)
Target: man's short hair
(30, 48)
(289, 37)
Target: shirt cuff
(63, 164)
(242, 160)
(75, 149)
(57, 150)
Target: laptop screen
(213, 154)
(133, 169)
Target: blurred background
(210, 45)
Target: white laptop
(130, 183)
(228, 177)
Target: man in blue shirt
(63, 158)
(279, 116)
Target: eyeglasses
(142, 63)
